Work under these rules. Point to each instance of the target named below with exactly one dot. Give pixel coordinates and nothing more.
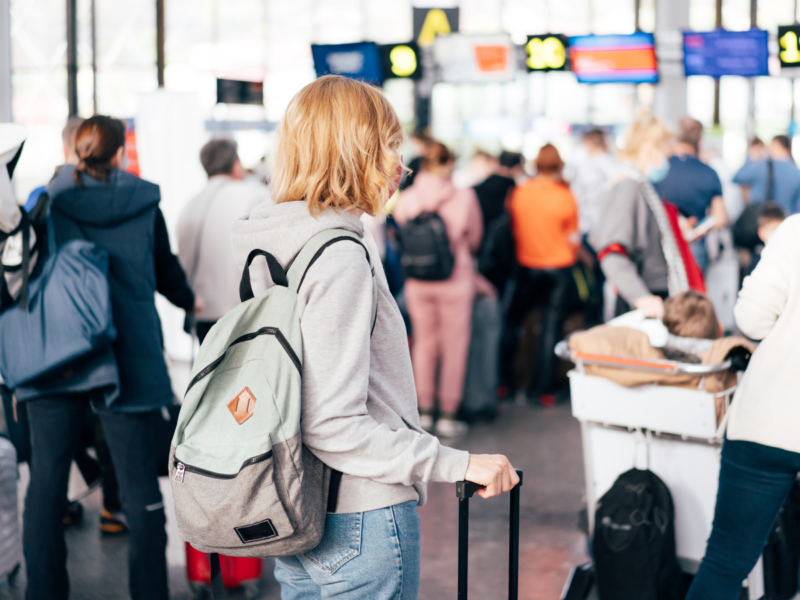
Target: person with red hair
(544, 218)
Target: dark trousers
(55, 424)
(754, 482)
(533, 285)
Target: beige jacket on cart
(766, 407)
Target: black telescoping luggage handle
(275, 271)
(465, 490)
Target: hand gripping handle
(465, 490)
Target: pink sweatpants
(441, 317)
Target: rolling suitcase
(237, 571)
(10, 540)
(465, 490)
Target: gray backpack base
(244, 483)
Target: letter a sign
(430, 22)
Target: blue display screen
(720, 52)
(361, 60)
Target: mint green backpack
(244, 483)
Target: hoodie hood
(101, 203)
(283, 230)
(427, 194)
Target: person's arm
(762, 298)
(170, 278)
(614, 238)
(571, 222)
(336, 305)
(717, 207)
(474, 222)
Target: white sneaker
(449, 428)
(426, 422)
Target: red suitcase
(237, 572)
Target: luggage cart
(670, 430)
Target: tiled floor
(544, 442)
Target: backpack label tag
(257, 532)
(243, 405)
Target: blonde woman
(336, 158)
(637, 238)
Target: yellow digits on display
(547, 53)
(791, 54)
(404, 61)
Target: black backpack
(426, 253)
(634, 541)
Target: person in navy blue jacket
(99, 202)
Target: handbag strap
(770, 180)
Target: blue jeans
(754, 482)
(370, 555)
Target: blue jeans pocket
(340, 543)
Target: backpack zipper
(183, 468)
(274, 331)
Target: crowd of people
(498, 265)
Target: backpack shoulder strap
(298, 268)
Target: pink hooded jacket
(460, 211)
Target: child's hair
(338, 145)
(771, 211)
(691, 314)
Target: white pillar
(672, 17)
(5, 61)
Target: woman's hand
(651, 306)
(493, 471)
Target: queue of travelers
(547, 239)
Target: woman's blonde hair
(338, 145)
(646, 128)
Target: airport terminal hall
(399, 300)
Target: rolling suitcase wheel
(465, 490)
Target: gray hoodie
(359, 402)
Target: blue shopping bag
(67, 318)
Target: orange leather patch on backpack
(243, 406)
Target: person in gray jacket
(337, 157)
(633, 238)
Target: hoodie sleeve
(170, 278)
(336, 305)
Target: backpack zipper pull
(180, 473)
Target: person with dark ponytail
(99, 202)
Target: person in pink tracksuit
(441, 311)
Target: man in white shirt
(204, 231)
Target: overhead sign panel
(232, 91)
(432, 22)
(546, 52)
(475, 58)
(614, 58)
(789, 51)
(720, 52)
(401, 61)
(360, 60)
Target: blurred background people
(420, 143)
(97, 201)
(204, 231)
(693, 186)
(544, 217)
(588, 177)
(70, 158)
(441, 311)
(775, 177)
(637, 239)
(494, 192)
